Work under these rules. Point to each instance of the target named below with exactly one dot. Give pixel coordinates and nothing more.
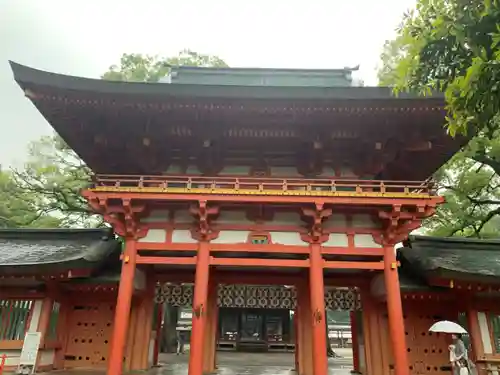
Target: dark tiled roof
(464, 258)
(29, 78)
(54, 250)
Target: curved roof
(454, 258)
(30, 78)
(109, 123)
(52, 251)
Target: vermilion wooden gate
(90, 325)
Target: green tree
(55, 175)
(136, 67)
(453, 46)
(19, 208)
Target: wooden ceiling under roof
(139, 128)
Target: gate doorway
(257, 322)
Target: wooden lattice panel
(89, 328)
(249, 296)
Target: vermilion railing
(254, 185)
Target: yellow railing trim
(221, 191)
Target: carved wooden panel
(89, 328)
(258, 296)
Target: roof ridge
(28, 233)
(465, 240)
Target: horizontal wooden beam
(248, 277)
(265, 248)
(166, 260)
(351, 200)
(253, 262)
(256, 262)
(166, 246)
(251, 248)
(353, 265)
(357, 251)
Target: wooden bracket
(203, 231)
(124, 219)
(317, 215)
(400, 224)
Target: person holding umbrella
(458, 352)
(458, 355)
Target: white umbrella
(445, 326)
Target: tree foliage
(18, 208)
(49, 185)
(453, 46)
(56, 175)
(145, 68)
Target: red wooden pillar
(123, 304)
(317, 291)
(305, 350)
(395, 312)
(211, 329)
(355, 342)
(199, 309)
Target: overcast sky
(85, 37)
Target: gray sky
(84, 38)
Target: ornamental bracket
(400, 224)
(124, 219)
(203, 212)
(316, 215)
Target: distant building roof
(260, 77)
(51, 251)
(453, 258)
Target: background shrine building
(242, 182)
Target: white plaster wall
(363, 221)
(336, 220)
(284, 172)
(365, 240)
(233, 217)
(242, 170)
(287, 218)
(232, 236)
(182, 236)
(485, 333)
(157, 216)
(183, 216)
(154, 235)
(337, 240)
(286, 238)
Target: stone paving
(230, 363)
